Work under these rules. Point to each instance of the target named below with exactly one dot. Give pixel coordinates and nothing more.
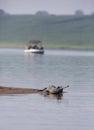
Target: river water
(73, 111)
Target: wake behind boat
(34, 46)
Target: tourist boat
(34, 46)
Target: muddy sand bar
(13, 90)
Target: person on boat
(35, 47)
(29, 47)
(41, 47)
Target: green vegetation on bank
(63, 32)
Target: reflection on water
(74, 110)
(53, 96)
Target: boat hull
(39, 51)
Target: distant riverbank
(48, 46)
(19, 45)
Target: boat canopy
(34, 44)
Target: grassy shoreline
(20, 45)
(55, 32)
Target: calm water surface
(73, 111)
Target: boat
(34, 46)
